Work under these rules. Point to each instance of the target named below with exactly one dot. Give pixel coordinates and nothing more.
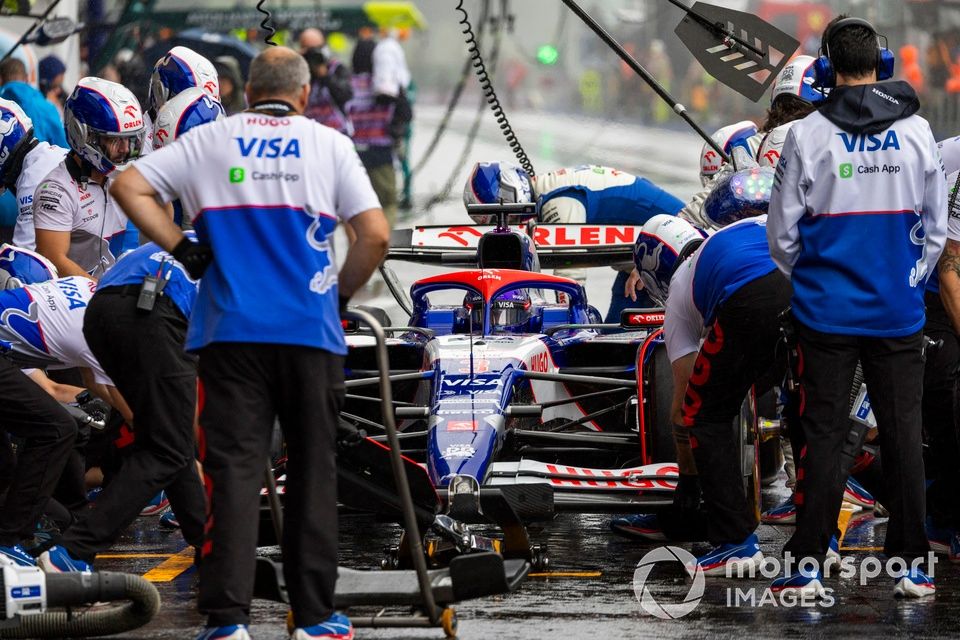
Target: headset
(826, 78)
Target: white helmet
(496, 182)
(186, 110)
(769, 153)
(98, 109)
(734, 135)
(19, 266)
(796, 79)
(181, 68)
(664, 242)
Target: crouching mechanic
(264, 212)
(584, 194)
(139, 315)
(26, 162)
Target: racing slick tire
(659, 394)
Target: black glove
(193, 256)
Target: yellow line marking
(845, 514)
(566, 574)
(171, 567)
(134, 555)
(861, 548)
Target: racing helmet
(727, 138)
(186, 110)
(99, 109)
(20, 266)
(496, 182)
(181, 68)
(511, 311)
(16, 130)
(739, 195)
(796, 79)
(665, 241)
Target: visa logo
(25, 200)
(859, 142)
(269, 147)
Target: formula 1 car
(518, 402)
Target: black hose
(490, 94)
(267, 23)
(75, 589)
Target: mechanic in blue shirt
(47, 123)
(584, 194)
(265, 189)
(730, 292)
(138, 340)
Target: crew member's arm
(682, 370)
(53, 221)
(107, 393)
(787, 206)
(949, 267)
(138, 199)
(60, 392)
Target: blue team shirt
(734, 256)
(133, 267)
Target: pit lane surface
(588, 591)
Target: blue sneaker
(913, 583)
(803, 582)
(742, 559)
(854, 493)
(229, 632)
(644, 525)
(59, 560)
(159, 504)
(336, 627)
(940, 538)
(18, 555)
(783, 513)
(169, 520)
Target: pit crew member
(79, 227)
(271, 190)
(878, 178)
(125, 327)
(26, 161)
(585, 194)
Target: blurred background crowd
(539, 57)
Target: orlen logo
(457, 233)
(645, 319)
(130, 111)
(210, 87)
(162, 135)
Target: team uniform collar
(273, 108)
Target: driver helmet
(186, 110)
(727, 138)
(20, 266)
(96, 115)
(665, 241)
(16, 130)
(495, 183)
(739, 195)
(511, 311)
(796, 79)
(181, 68)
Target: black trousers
(143, 354)
(244, 388)
(939, 416)
(893, 371)
(47, 433)
(739, 352)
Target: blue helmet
(796, 79)
(180, 69)
(21, 266)
(183, 112)
(743, 194)
(664, 242)
(496, 182)
(15, 130)
(97, 112)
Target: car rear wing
(558, 245)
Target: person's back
(876, 167)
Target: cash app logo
(236, 174)
(846, 170)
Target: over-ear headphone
(826, 77)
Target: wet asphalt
(588, 590)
